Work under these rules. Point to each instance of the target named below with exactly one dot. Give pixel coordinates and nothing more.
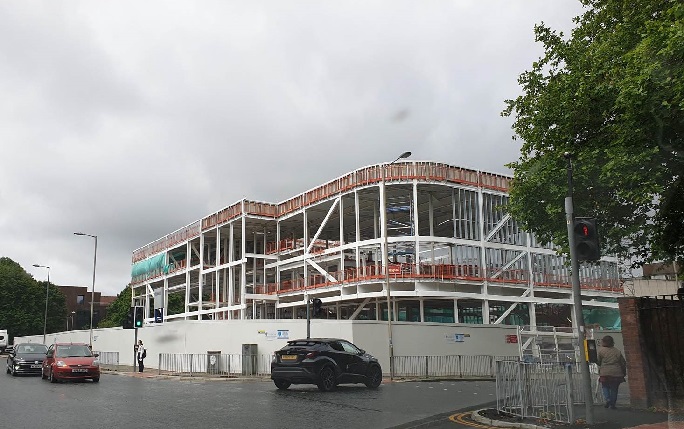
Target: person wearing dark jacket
(612, 370)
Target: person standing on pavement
(141, 354)
(612, 370)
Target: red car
(70, 361)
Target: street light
(92, 292)
(47, 294)
(386, 263)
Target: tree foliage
(117, 310)
(22, 302)
(612, 94)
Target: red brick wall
(636, 368)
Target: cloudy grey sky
(129, 119)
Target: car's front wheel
(326, 379)
(374, 377)
(282, 384)
(96, 379)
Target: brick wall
(636, 362)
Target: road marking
(459, 418)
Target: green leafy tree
(22, 302)
(613, 95)
(117, 310)
(176, 304)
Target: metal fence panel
(450, 366)
(214, 364)
(108, 360)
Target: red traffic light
(587, 246)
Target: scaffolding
(452, 255)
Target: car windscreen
(73, 350)
(31, 348)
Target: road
(126, 401)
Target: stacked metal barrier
(541, 390)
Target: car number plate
(35, 366)
(288, 357)
(79, 370)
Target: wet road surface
(122, 401)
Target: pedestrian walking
(612, 370)
(141, 354)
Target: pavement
(621, 418)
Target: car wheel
(282, 384)
(374, 377)
(326, 379)
(51, 377)
(96, 379)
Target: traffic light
(139, 316)
(317, 304)
(129, 322)
(586, 239)
(591, 352)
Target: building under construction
(435, 235)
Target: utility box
(249, 359)
(214, 362)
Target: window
(80, 299)
(349, 348)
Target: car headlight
(60, 364)
(96, 362)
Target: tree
(612, 94)
(117, 310)
(22, 302)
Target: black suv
(325, 362)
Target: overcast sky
(129, 119)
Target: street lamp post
(386, 262)
(92, 292)
(47, 294)
(70, 316)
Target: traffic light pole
(135, 351)
(577, 297)
(308, 318)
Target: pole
(577, 297)
(135, 350)
(47, 294)
(385, 263)
(308, 318)
(92, 294)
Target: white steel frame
(262, 260)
